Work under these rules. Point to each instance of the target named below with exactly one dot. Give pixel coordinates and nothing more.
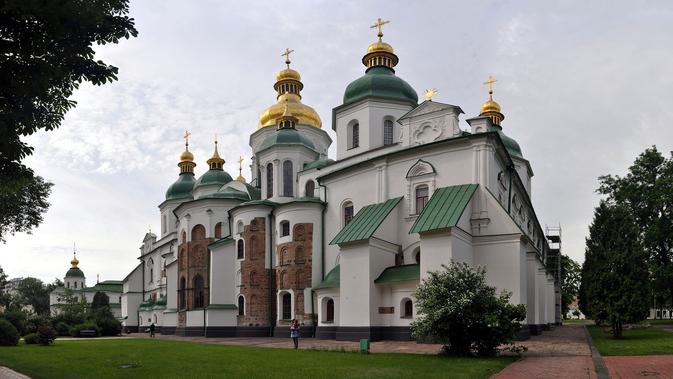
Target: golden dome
(74, 262)
(380, 46)
(187, 156)
(490, 106)
(288, 74)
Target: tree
(4, 296)
(100, 300)
(458, 309)
(570, 282)
(33, 292)
(647, 192)
(101, 314)
(615, 278)
(45, 54)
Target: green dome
(510, 143)
(227, 193)
(74, 272)
(182, 188)
(320, 163)
(286, 136)
(210, 177)
(380, 82)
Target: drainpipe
(271, 310)
(509, 196)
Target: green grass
(579, 322)
(177, 359)
(659, 322)
(641, 341)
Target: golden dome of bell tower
(491, 108)
(288, 87)
(186, 158)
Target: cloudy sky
(585, 87)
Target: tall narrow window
(387, 132)
(348, 212)
(284, 228)
(183, 295)
(199, 292)
(269, 180)
(241, 306)
(421, 198)
(310, 188)
(240, 249)
(218, 230)
(408, 309)
(287, 306)
(356, 136)
(330, 311)
(287, 179)
(150, 263)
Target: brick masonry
(255, 276)
(193, 258)
(293, 268)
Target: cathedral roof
(74, 272)
(320, 163)
(332, 279)
(444, 208)
(365, 223)
(286, 136)
(380, 82)
(510, 143)
(399, 273)
(213, 176)
(182, 188)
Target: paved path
(7, 373)
(655, 366)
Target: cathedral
(341, 244)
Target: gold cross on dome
(490, 82)
(430, 93)
(240, 165)
(286, 54)
(186, 137)
(378, 25)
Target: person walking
(294, 332)
(152, 328)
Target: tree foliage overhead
(615, 280)
(570, 282)
(647, 192)
(46, 52)
(458, 309)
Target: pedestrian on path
(152, 328)
(294, 332)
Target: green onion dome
(74, 272)
(182, 188)
(213, 176)
(286, 136)
(510, 143)
(380, 82)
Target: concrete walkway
(8, 373)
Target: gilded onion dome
(74, 271)
(288, 87)
(491, 109)
(182, 188)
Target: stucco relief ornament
(427, 132)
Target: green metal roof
(400, 274)
(106, 286)
(444, 208)
(510, 143)
(320, 163)
(182, 188)
(365, 222)
(220, 242)
(380, 82)
(222, 306)
(227, 193)
(332, 279)
(213, 177)
(74, 272)
(286, 136)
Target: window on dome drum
(199, 292)
(287, 179)
(75, 285)
(421, 198)
(356, 136)
(218, 230)
(150, 263)
(183, 295)
(284, 228)
(287, 306)
(198, 233)
(241, 306)
(299, 255)
(330, 311)
(387, 132)
(310, 188)
(348, 212)
(269, 180)
(408, 311)
(240, 249)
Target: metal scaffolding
(553, 264)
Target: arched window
(269, 180)
(388, 132)
(284, 228)
(239, 227)
(75, 285)
(347, 212)
(301, 281)
(417, 256)
(218, 230)
(199, 292)
(407, 308)
(299, 255)
(251, 248)
(283, 279)
(241, 306)
(329, 317)
(421, 198)
(288, 179)
(253, 279)
(183, 294)
(183, 237)
(198, 233)
(355, 136)
(150, 265)
(284, 258)
(287, 306)
(240, 249)
(310, 188)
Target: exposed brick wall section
(193, 258)
(255, 276)
(294, 267)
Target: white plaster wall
(355, 284)
(505, 264)
(206, 212)
(221, 317)
(533, 296)
(170, 319)
(129, 308)
(195, 318)
(321, 306)
(172, 286)
(541, 284)
(551, 304)
(223, 275)
(298, 155)
(392, 295)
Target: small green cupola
(182, 188)
(216, 174)
(74, 271)
(380, 80)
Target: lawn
(641, 341)
(579, 322)
(177, 359)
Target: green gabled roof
(444, 208)
(227, 193)
(332, 279)
(221, 242)
(106, 286)
(222, 306)
(399, 274)
(320, 163)
(365, 222)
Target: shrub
(35, 321)
(62, 329)
(30, 338)
(109, 326)
(75, 330)
(459, 310)
(46, 334)
(9, 336)
(17, 318)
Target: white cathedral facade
(341, 245)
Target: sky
(585, 87)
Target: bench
(87, 333)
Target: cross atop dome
(286, 54)
(379, 24)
